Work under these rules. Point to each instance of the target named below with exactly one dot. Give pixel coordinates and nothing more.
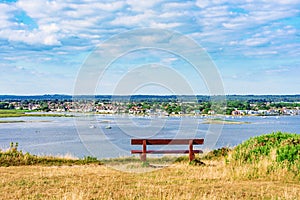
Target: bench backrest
(166, 141)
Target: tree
(4, 105)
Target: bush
(14, 157)
(217, 153)
(282, 149)
(197, 162)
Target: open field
(26, 113)
(178, 181)
(263, 167)
(11, 121)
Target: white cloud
(241, 28)
(56, 20)
(284, 2)
(51, 28)
(164, 25)
(231, 25)
(137, 20)
(112, 6)
(5, 15)
(51, 40)
(169, 61)
(261, 53)
(254, 41)
(92, 9)
(138, 5)
(173, 14)
(40, 9)
(68, 27)
(203, 3)
(241, 15)
(45, 35)
(22, 36)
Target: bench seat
(164, 151)
(145, 142)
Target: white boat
(92, 126)
(108, 127)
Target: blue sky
(254, 44)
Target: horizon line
(149, 94)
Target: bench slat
(164, 151)
(166, 141)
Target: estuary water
(109, 136)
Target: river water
(109, 136)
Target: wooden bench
(146, 142)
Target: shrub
(217, 153)
(14, 157)
(280, 148)
(197, 162)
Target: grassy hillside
(26, 113)
(276, 150)
(263, 167)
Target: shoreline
(207, 119)
(222, 121)
(21, 121)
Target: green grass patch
(11, 121)
(135, 159)
(14, 157)
(28, 113)
(217, 153)
(13, 111)
(281, 149)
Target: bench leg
(191, 151)
(191, 156)
(143, 155)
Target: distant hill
(159, 98)
(35, 97)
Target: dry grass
(216, 180)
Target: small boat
(92, 126)
(108, 127)
(104, 121)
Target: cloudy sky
(255, 45)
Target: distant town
(266, 105)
